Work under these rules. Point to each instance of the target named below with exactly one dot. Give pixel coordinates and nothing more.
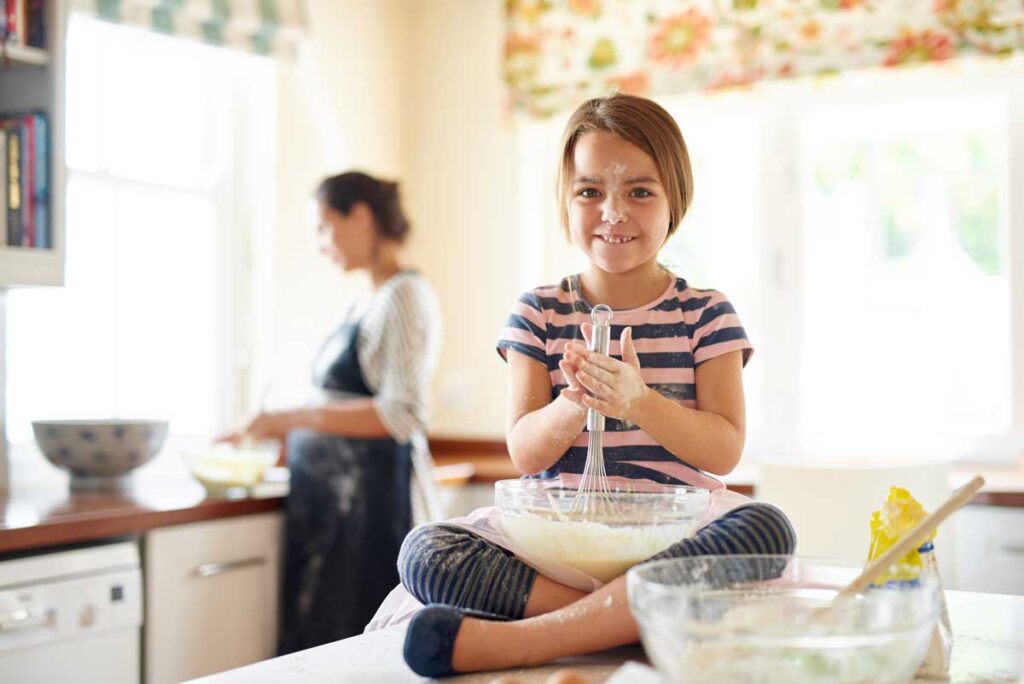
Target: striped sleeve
(525, 330)
(410, 338)
(717, 330)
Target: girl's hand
(575, 391)
(613, 388)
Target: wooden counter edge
(490, 462)
(127, 522)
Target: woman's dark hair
(343, 191)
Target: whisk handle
(601, 338)
(599, 342)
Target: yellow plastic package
(898, 514)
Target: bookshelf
(31, 79)
(22, 56)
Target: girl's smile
(616, 239)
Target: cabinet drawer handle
(25, 618)
(211, 569)
(1012, 548)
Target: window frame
(785, 102)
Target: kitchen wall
(461, 185)
(339, 106)
(414, 93)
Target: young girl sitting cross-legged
(670, 388)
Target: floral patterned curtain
(559, 52)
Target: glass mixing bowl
(755, 619)
(648, 517)
(228, 470)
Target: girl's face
(618, 212)
(347, 240)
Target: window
(905, 287)
(862, 226)
(718, 241)
(170, 154)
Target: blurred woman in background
(351, 457)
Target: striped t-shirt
(678, 331)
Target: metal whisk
(594, 495)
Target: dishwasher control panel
(66, 595)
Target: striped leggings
(441, 563)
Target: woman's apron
(400, 605)
(346, 515)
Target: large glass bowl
(756, 620)
(538, 515)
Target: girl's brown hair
(644, 124)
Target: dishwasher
(72, 616)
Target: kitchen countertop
(1004, 485)
(36, 517)
(988, 647)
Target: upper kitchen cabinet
(32, 240)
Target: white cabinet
(33, 79)
(211, 596)
(989, 554)
(460, 501)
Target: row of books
(25, 180)
(23, 22)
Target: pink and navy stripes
(674, 334)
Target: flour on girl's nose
(612, 215)
(612, 211)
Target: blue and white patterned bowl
(99, 453)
